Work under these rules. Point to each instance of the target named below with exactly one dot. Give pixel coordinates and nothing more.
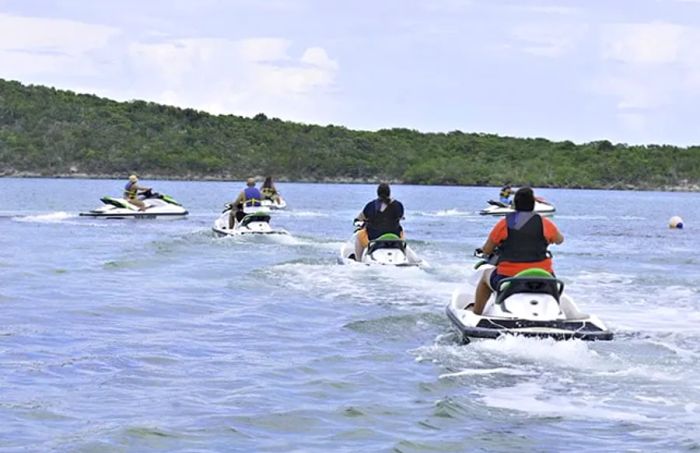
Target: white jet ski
(495, 208)
(274, 203)
(256, 221)
(530, 304)
(157, 206)
(388, 249)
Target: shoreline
(683, 187)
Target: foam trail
(52, 217)
(481, 372)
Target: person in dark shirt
(380, 216)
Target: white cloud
(654, 60)
(32, 45)
(316, 56)
(633, 91)
(650, 43)
(548, 40)
(545, 9)
(648, 67)
(243, 77)
(446, 6)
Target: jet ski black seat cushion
(255, 218)
(386, 244)
(540, 285)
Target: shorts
(492, 278)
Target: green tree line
(50, 132)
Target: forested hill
(44, 131)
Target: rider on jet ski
(522, 238)
(250, 196)
(132, 190)
(269, 191)
(380, 216)
(235, 217)
(506, 192)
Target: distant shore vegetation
(50, 132)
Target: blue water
(144, 335)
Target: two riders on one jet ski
(132, 190)
(379, 216)
(522, 238)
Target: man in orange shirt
(522, 238)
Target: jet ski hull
(499, 209)
(255, 223)
(524, 306)
(157, 206)
(490, 327)
(134, 215)
(391, 253)
(279, 203)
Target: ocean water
(142, 335)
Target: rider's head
(250, 182)
(268, 182)
(383, 191)
(133, 178)
(524, 199)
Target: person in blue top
(506, 192)
(380, 216)
(250, 196)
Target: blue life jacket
(252, 196)
(129, 191)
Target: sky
(627, 71)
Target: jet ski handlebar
(485, 259)
(358, 224)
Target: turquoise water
(157, 336)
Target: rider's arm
(239, 199)
(559, 238)
(498, 234)
(551, 232)
(488, 247)
(362, 217)
(399, 209)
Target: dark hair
(524, 199)
(384, 192)
(268, 182)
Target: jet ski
(157, 206)
(274, 203)
(387, 249)
(496, 208)
(256, 221)
(531, 304)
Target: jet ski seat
(529, 281)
